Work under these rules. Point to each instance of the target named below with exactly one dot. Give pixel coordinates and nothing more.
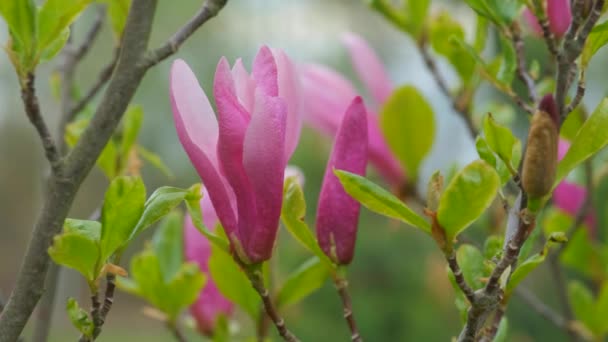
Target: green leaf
(484, 152)
(160, 203)
(118, 11)
(596, 40)
(502, 141)
(55, 46)
(386, 9)
(54, 17)
(467, 196)
(20, 15)
(592, 137)
(108, 160)
(443, 27)
(292, 216)
(168, 245)
(379, 200)
(79, 318)
(184, 288)
(232, 282)
(130, 130)
(583, 304)
(122, 208)
(305, 280)
(194, 209)
(501, 334)
(471, 262)
(154, 160)
(509, 61)
(77, 247)
(408, 125)
(417, 11)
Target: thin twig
(104, 76)
(458, 276)
(580, 92)
(462, 110)
(541, 15)
(32, 109)
(91, 34)
(342, 287)
(522, 72)
(209, 9)
(257, 281)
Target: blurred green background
(398, 279)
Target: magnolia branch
(522, 72)
(342, 287)
(64, 184)
(459, 277)
(541, 15)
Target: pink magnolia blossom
(241, 155)
(211, 304)
(331, 93)
(559, 15)
(570, 197)
(338, 213)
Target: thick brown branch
(342, 287)
(209, 10)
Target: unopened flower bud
(540, 161)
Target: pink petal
(197, 129)
(570, 197)
(559, 15)
(264, 163)
(265, 72)
(369, 67)
(289, 91)
(327, 95)
(338, 213)
(210, 303)
(532, 22)
(245, 85)
(233, 122)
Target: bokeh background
(398, 279)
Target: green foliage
(232, 282)
(78, 248)
(79, 318)
(410, 18)
(168, 245)
(441, 29)
(506, 73)
(592, 137)
(122, 208)
(292, 216)
(20, 16)
(589, 311)
(118, 11)
(466, 197)
(408, 124)
(303, 281)
(379, 200)
(596, 40)
(54, 17)
(502, 141)
(194, 209)
(500, 12)
(159, 204)
(503, 328)
(485, 153)
(472, 264)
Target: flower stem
(342, 287)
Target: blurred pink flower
(559, 15)
(570, 197)
(330, 94)
(211, 304)
(338, 213)
(241, 155)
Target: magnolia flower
(241, 155)
(211, 304)
(338, 213)
(332, 94)
(570, 197)
(559, 15)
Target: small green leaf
(502, 141)
(306, 279)
(509, 61)
(55, 46)
(292, 216)
(108, 160)
(471, 262)
(592, 137)
(391, 14)
(379, 200)
(78, 247)
(583, 304)
(503, 328)
(232, 282)
(118, 11)
(154, 160)
(54, 17)
(20, 15)
(526, 267)
(467, 196)
(122, 208)
(408, 125)
(168, 245)
(194, 209)
(184, 288)
(130, 130)
(79, 318)
(596, 40)
(434, 190)
(484, 152)
(160, 203)
(417, 11)
(443, 27)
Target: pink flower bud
(559, 15)
(211, 304)
(338, 213)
